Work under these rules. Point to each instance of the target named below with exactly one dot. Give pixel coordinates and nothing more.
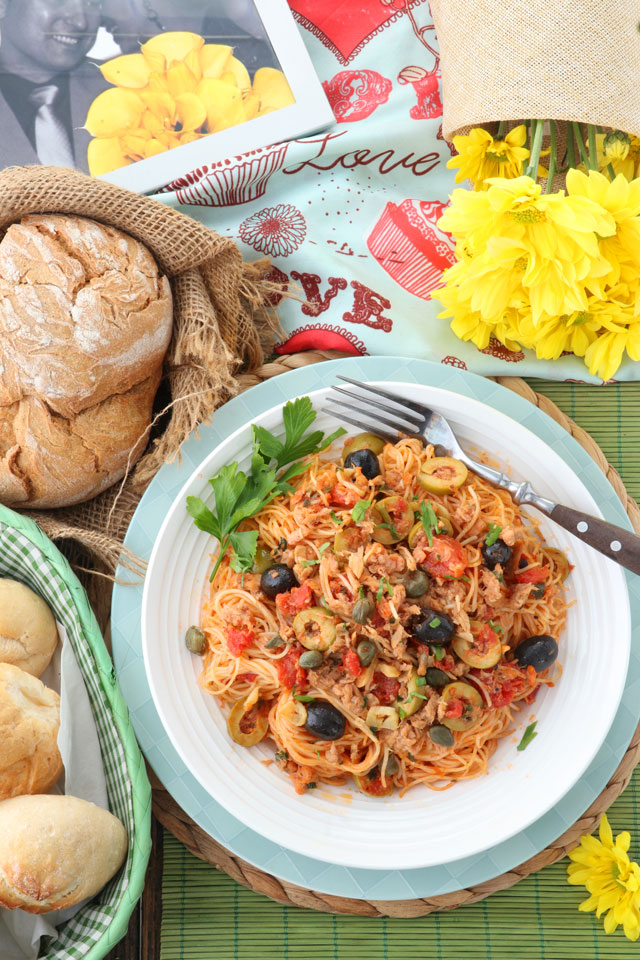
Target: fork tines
(398, 420)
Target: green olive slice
(314, 628)
(362, 441)
(415, 695)
(393, 518)
(262, 560)
(347, 540)
(484, 651)
(559, 561)
(442, 474)
(247, 727)
(464, 700)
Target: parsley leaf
(448, 576)
(438, 652)
(429, 520)
(434, 622)
(389, 526)
(297, 417)
(358, 512)
(384, 584)
(312, 563)
(421, 681)
(494, 532)
(334, 516)
(244, 550)
(303, 698)
(401, 713)
(528, 736)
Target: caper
(311, 659)
(392, 766)
(538, 591)
(195, 640)
(441, 735)
(275, 641)
(262, 560)
(436, 678)
(415, 583)
(366, 651)
(362, 609)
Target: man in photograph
(47, 81)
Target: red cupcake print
(277, 230)
(427, 89)
(355, 94)
(454, 362)
(500, 352)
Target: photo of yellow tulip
(176, 90)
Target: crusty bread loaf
(55, 851)
(30, 761)
(85, 321)
(28, 632)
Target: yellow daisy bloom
(621, 151)
(611, 878)
(480, 156)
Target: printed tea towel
(349, 215)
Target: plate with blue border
(210, 816)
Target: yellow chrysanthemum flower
(622, 153)
(611, 878)
(480, 156)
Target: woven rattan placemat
(203, 846)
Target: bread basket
(26, 554)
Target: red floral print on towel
(500, 352)
(277, 230)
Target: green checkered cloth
(27, 555)
(207, 916)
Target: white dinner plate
(424, 828)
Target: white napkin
(83, 777)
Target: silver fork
(415, 420)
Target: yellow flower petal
(189, 137)
(152, 124)
(174, 45)
(180, 80)
(131, 71)
(191, 111)
(154, 147)
(105, 155)
(605, 832)
(241, 74)
(271, 88)
(215, 59)
(192, 61)
(113, 112)
(251, 107)
(162, 105)
(135, 145)
(222, 103)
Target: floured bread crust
(85, 321)
(55, 851)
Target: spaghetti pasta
(390, 653)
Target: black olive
(437, 678)
(325, 721)
(498, 552)
(277, 579)
(433, 627)
(366, 460)
(537, 652)
(538, 591)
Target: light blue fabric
(318, 206)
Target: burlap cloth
(222, 319)
(517, 60)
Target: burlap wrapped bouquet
(221, 314)
(566, 60)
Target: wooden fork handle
(620, 545)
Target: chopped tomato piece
(247, 676)
(377, 620)
(351, 662)
(447, 662)
(237, 640)
(533, 575)
(295, 600)
(504, 683)
(302, 777)
(341, 496)
(454, 709)
(385, 688)
(445, 558)
(290, 673)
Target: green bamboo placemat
(207, 916)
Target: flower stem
(552, 157)
(571, 147)
(537, 129)
(501, 129)
(611, 171)
(593, 151)
(580, 142)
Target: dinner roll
(55, 851)
(28, 632)
(30, 761)
(85, 321)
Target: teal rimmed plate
(346, 881)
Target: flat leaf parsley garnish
(240, 495)
(494, 532)
(528, 736)
(358, 512)
(429, 520)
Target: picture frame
(309, 113)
